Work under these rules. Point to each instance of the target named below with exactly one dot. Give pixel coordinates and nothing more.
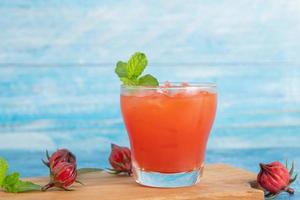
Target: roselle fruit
(63, 169)
(63, 174)
(275, 178)
(120, 160)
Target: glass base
(167, 180)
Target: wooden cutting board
(219, 181)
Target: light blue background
(58, 88)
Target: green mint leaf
(12, 183)
(130, 72)
(121, 69)
(136, 65)
(148, 80)
(26, 186)
(3, 170)
(130, 82)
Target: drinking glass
(168, 129)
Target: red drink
(169, 127)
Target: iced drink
(168, 128)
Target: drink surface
(168, 130)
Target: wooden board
(219, 181)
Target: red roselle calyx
(62, 175)
(275, 178)
(120, 160)
(63, 171)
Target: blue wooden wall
(79, 31)
(57, 85)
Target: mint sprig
(130, 72)
(12, 182)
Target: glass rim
(174, 86)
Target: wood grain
(219, 181)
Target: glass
(168, 128)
